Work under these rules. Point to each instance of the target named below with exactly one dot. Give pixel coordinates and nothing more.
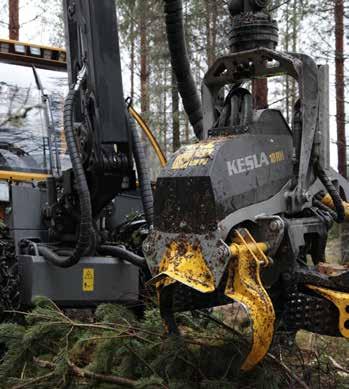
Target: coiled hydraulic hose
(143, 174)
(180, 64)
(123, 254)
(333, 192)
(86, 220)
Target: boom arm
(100, 115)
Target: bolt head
(274, 226)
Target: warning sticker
(88, 280)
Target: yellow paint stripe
(22, 176)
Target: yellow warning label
(88, 280)
(194, 155)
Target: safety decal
(88, 280)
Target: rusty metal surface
(215, 253)
(184, 262)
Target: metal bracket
(273, 231)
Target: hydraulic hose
(123, 254)
(324, 207)
(180, 64)
(150, 136)
(143, 174)
(86, 220)
(333, 192)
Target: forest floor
(113, 349)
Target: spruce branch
(83, 373)
(33, 381)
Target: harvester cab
(29, 153)
(58, 217)
(35, 151)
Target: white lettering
(249, 162)
(232, 168)
(255, 160)
(241, 165)
(264, 159)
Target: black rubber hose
(324, 207)
(180, 64)
(143, 174)
(86, 220)
(123, 254)
(333, 192)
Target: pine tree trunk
(287, 78)
(211, 16)
(13, 19)
(295, 22)
(144, 70)
(341, 139)
(208, 30)
(144, 59)
(214, 30)
(260, 93)
(165, 112)
(132, 57)
(339, 33)
(175, 115)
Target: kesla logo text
(251, 162)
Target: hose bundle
(181, 66)
(122, 253)
(143, 173)
(333, 192)
(86, 220)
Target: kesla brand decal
(256, 161)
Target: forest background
(316, 28)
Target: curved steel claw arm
(245, 286)
(341, 301)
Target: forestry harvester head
(237, 214)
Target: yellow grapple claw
(245, 286)
(185, 263)
(341, 301)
